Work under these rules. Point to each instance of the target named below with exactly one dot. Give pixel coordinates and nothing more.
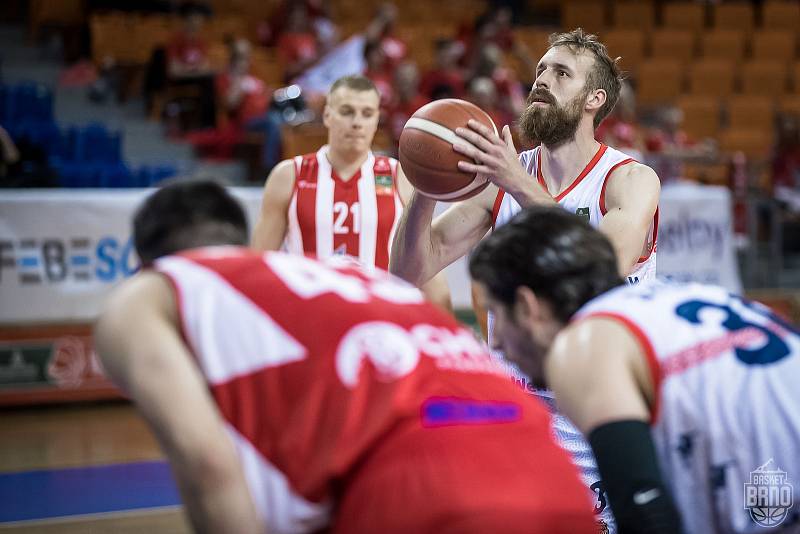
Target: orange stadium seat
(756, 144)
(795, 74)
(701, 116)
(768, 78)
(684, 16)
(723, 44)
(774, 44)
(781, 14)
(627, 43)
(535, 39)
(633, 14)
(751, 111)
(659, 82)
(711, 77)
(672, 43)
(707, 173)
(591, 16)
(790, 105)
(733, 16)
(303, 139)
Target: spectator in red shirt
(483, 93)
(509, 90)
(446, 77)
(408, 98)
(241, 95)
(381, 30)
(378, 72)
(298, 48)
(187, 51)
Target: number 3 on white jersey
(340, 212)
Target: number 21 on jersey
(346, 218)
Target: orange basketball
(426, 150)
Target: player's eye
(562, 73)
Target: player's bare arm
(436, 289)
(270, 230)
(139, 344)
(423, 247)
(496, 159)
(596, 368)
(602, 381)
(632, 193)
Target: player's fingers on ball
(473, 168)
(465, 149)
(482, 129)
(477, 140)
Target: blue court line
(86, 490)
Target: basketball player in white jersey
(682, 389)
(343, 199)
(577, 85)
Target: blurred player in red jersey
(343, 199)
(301, 395)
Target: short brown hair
(604, 75)
(356, 82)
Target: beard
(553, 124)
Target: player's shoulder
(633, 171)
(145, 293)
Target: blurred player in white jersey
(684, 391)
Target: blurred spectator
(378, 71)
(244, 100)
(298, 47)
(241, 95)
(509, 91)
(621, 129)
(483, 93)
(318, 12)
(786, 161)
(408, 98)
(446, 78)
(187, 51)
(9, 154)
(381, 30)
(668, 145)
(184, 64)
(494, 26)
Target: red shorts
(467, 479)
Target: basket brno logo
(769, 495)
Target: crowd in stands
(213, 72)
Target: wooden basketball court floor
(87, 468)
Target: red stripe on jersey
(656, 373)
(603, 209)
(605, 181)
(306, 203)
(586, 170)
(498, 201)
(347, 223)
(386, 211)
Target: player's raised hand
(496, 158)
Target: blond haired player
(343, 199)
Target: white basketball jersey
(726, 422)
(584, 197)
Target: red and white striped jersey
(318, 366)
(356, 217)
(584, 197)
(727, 403)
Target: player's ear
(326, 111)
(596, 99)
(526, 305)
